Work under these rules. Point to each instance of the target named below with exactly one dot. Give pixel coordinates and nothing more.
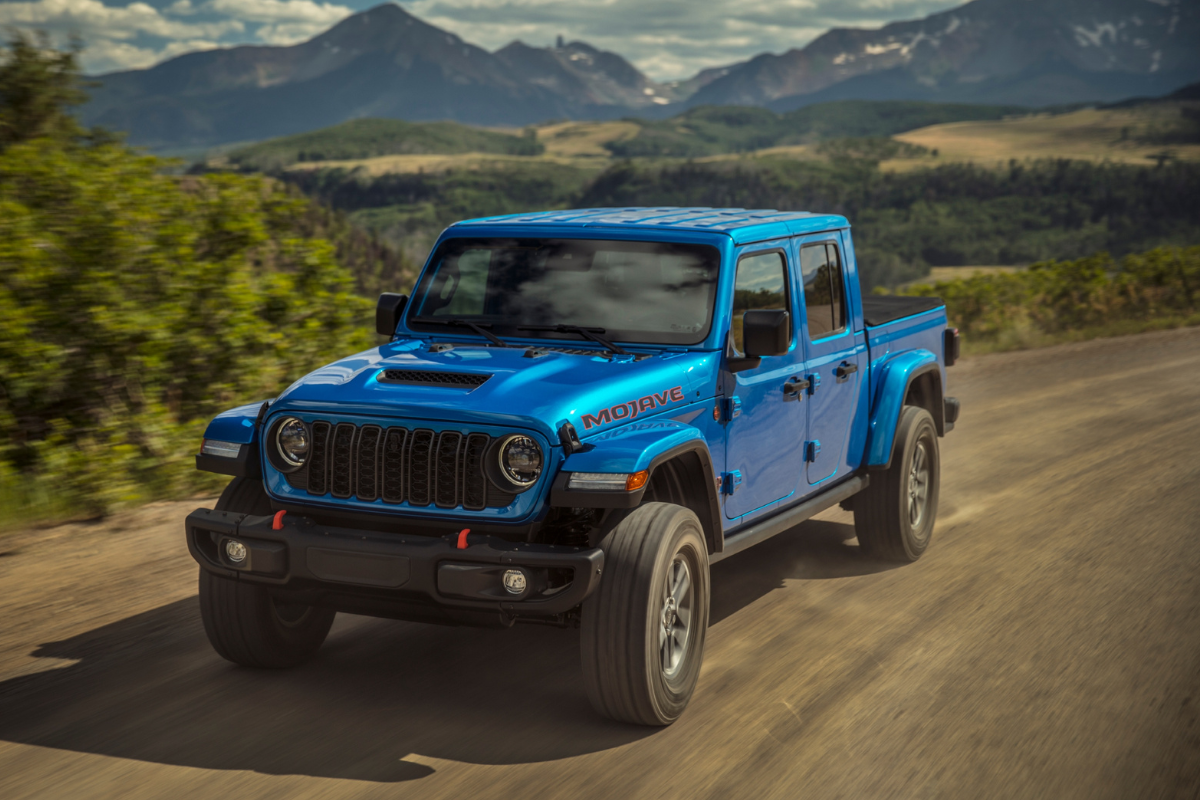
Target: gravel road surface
(1047, 645)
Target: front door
(836, 356)
(764, 433)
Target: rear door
(836, 355)
(764, 441)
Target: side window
(824, 295)
(761, 283)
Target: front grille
(396, 465)
(420, 377)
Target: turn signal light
(608, 481)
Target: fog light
(514, 581)
(235, 550)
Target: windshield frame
(512, 330)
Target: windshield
(651, 292)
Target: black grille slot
(317, 466)
(446, 469)
(420, 468)
(393, 465)
(366, 463)
(417, 377)
(341, 461)
(474, 482)
(396, 465)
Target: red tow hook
(462, 538)
(277, 525)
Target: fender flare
(240, 426)
(633, 448)
(896, 375)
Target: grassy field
(944, 274)
(1128, 135)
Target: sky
(666, 39)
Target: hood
(414, 379)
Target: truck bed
(880, 309)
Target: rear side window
(824, 294)
(761, 283)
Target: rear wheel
(644, 627)
(894, 515)
(245, 623)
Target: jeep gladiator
(574, 415)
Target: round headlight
(292, 441)
(521, 460)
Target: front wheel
(644, 627)
(894, 515)
(245, 622)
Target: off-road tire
(624, 621)
(244, 623)
(883, 512)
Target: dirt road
(1048, 645)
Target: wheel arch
(681, 472)
(911, 378)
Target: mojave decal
(632, 408)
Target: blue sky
(667, 39)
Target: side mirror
(766, 332)
(387, 313)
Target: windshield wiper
(466, 323)
(587, 333)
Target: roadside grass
(1025, 337)
(1055, 302)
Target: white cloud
(285, 21)
(93, 18)
(276, 11)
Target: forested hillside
(368, 138)
(904, 222)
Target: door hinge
(730, 481)
(731, 408)
(812, 450)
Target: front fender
(632, 448)
(237, 425)
(892, 379)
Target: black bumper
(305, 556)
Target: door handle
(795, 386)
(845, 370)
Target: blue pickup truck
(574, 415)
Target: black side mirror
(387, 313)
(766, 332)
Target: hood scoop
(421, 377)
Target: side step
(791, 517)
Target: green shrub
(133, 306)
(1063, 300)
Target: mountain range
(387, 63)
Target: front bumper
(299, 555)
